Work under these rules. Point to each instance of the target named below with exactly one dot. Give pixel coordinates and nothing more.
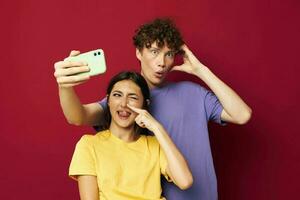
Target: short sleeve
(163, 165)
(213, 108)
(83, 160)
(103, 104)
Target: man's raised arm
(66, 74)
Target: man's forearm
(239, 112)
(71, 106)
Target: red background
(252, 45)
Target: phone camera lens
(95, 54)
(99, 53)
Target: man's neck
(150, 85)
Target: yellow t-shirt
(124, 170)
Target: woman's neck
(125, 134)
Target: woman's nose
(124, 102)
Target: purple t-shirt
(184, 109)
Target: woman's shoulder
(151, 140)
(94, 138)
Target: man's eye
(154, 52)
(116, 95)
(171, 55)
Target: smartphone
(95, 60)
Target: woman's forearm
(88, 188)
(177, 166)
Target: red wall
(252, 45)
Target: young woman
(123, 161)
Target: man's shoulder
(185, 86)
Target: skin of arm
(235, 109)
(177, 167)
(88, 188)
(75, 112)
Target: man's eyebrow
(159, 49)
(155, 48)
(171, 51)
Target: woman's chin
(125, 124)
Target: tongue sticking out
(123, 114)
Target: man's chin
(158, 81)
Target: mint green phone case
(95, 60)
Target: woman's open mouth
(122, 114)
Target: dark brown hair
(140, 82)
(160, 30)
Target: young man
(183, 108)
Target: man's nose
(161, 61)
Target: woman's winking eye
(130, 96)
(134, 97)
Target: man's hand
(66, 72)
(235, 109)
(190, 64)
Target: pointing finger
(137, 110)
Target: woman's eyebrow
(116, 91)
(133, 94)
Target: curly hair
(162, 31)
